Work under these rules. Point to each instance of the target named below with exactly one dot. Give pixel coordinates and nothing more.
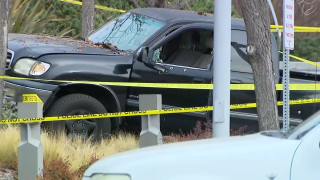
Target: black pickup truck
(179, 46)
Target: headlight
(28, 66)
(110, 177)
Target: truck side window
(191, 48)
(239, 58)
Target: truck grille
(9, 58)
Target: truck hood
(225, 158)
(34, 46)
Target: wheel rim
(83, 128)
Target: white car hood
(249, 157)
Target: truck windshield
(126, 32)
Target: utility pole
(221, 68)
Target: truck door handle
(236, 81)
(161, 69)
(198, 80)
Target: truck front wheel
(79, 104)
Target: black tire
(68, 105)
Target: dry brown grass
(77, 151)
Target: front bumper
(16, 88)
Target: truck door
(186, 55)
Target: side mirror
(142, 54)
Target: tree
(87, 17)
(4, 14)
(257, 21)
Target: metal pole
(221, 68)
(288, 44)
(30, 150)
(150, 124)
(286, 90)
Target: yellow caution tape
(96, 6)
(298, 87)
(297, 28)
(31, 98)
(303, 60)
(142, 113)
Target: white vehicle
(268, 155)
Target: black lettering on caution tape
(134, 113)
(12, 120)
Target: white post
(150, 124)
(221, 68)
(288, 44)
(30, 151)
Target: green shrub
(31, 17)
(9, 111)
(73, 12)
